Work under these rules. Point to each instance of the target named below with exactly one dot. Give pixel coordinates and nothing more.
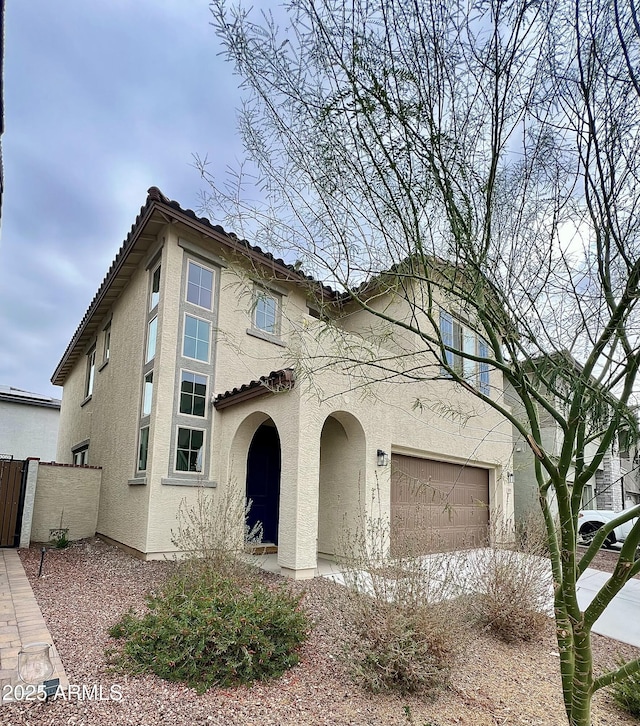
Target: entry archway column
(297, 540)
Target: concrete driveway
(620, 621)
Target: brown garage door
(437, 506)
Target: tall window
(196, 338)
(91, 372)
(147, 394)
(189, 449)
(461, 337)
(154, 297)
(266, 312)
(106, 351)
(193, 394)
(143, 449)
(152, 336)
(199, 285)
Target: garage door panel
(437, 506)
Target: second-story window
(196, 338)
(266, 311)
(147, 394)
(154, 296)
(106, 351)
(199, 285)
(455, 334)
(91, 372)
(151, 339)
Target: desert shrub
(213, 531)
(627, 692)
(512, 579)
(402, 638)
(212, 630)
(404, 649)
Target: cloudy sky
(103, 99)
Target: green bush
(213, 631)
(402, 649)
(627, 692)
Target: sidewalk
(621, 619)
(21, 621)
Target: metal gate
(12, 480)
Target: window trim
(260, 292)
(139, 450)
(155, 269)
(90, 378)
(106, 345)
(193, 416)
(148, 358)
(143, 412)
(203, 456)
(454, 332)
(184, 332)
(83, 451)
(213, 285)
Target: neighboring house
(605, 490)
(28, 424)
(182, 374)
(629, 473)
(1, 101)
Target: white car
(590, 521)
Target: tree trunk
(582, 679)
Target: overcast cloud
(103, 99)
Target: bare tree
(486, 152)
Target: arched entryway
(341, 481)
(263, 480)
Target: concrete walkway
(21, 621)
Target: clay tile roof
(156, 195)
(275, 382)
(132, 251)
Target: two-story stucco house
(182, 374)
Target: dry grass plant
(512, 579)
(214, 532)
(402, 639)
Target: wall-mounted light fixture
(383, 458)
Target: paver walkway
(21, 621)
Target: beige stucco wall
(69, 494)
(109, 420)
(321, 480)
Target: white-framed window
(193, 393)
(147, 394)
(266, 311)
(189, 449)
(199, 285)
(459, 336)
(152, 336)
(154, 293)
(91, 372)
(81, 456)
(196, 338)
(143, 448)
(106, 349)
(588, 497)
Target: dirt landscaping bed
(87, 587)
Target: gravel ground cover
(88, 586)
(605, 560)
